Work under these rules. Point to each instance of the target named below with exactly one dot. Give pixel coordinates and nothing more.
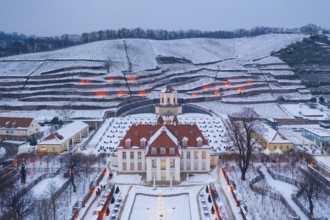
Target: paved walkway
(224, 197)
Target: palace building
(164, 151)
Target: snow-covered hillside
(105, 74)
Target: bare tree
(66, 113)
(21, 204)
(42, 210)
(73, 164)
(51, 195)
(241, 130)
(310, 189)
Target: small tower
(168, 102)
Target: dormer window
(199, 142)
(128, 143)
(162, 150)
(143, 142)
(172, 150)
(153, 150)
(184, 142)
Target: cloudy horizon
(50, 18)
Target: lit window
(172, 163)
(195, 154)
(163, 164)
(203, 154)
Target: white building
(20, 129)
(163, 151)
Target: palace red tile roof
(178, 132)
(9, 122)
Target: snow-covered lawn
(305, 111)
(161, 207)
(2, 152)
(269, 110)
(41, 190)
(183, 199)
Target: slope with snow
(106, 74)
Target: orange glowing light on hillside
(101, 94)
(84, 81)
(194, 94)
(227, 84)
(141, 93)
(122, 92)
(205, 87)
(216, 92)
(239, 89)
(132, 79)
(248, 81)
(110, 79)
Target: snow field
(167, 208)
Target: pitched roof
(273, 136)
(178, 132)
(65, 133)
(10, 122)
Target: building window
(195, 154)
(168, 101)
(124, 166)
(143, 143)
(139, 166)
(132, 155)
(172, 150)
(153, 164)
(174, 100)
(172, 163)
(124, 155)
(204, 166)
(163, 176)
(139, 155)
(203, 155)
(132, 166)
(199, 143)
(163, 100)
(163, 164)
(162, 150)
(281, 147)
(153, 150)
(128, 143)
(188, 154)
(184, 143)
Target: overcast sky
(55, 17)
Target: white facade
(192, 160)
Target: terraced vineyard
(104, 75)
